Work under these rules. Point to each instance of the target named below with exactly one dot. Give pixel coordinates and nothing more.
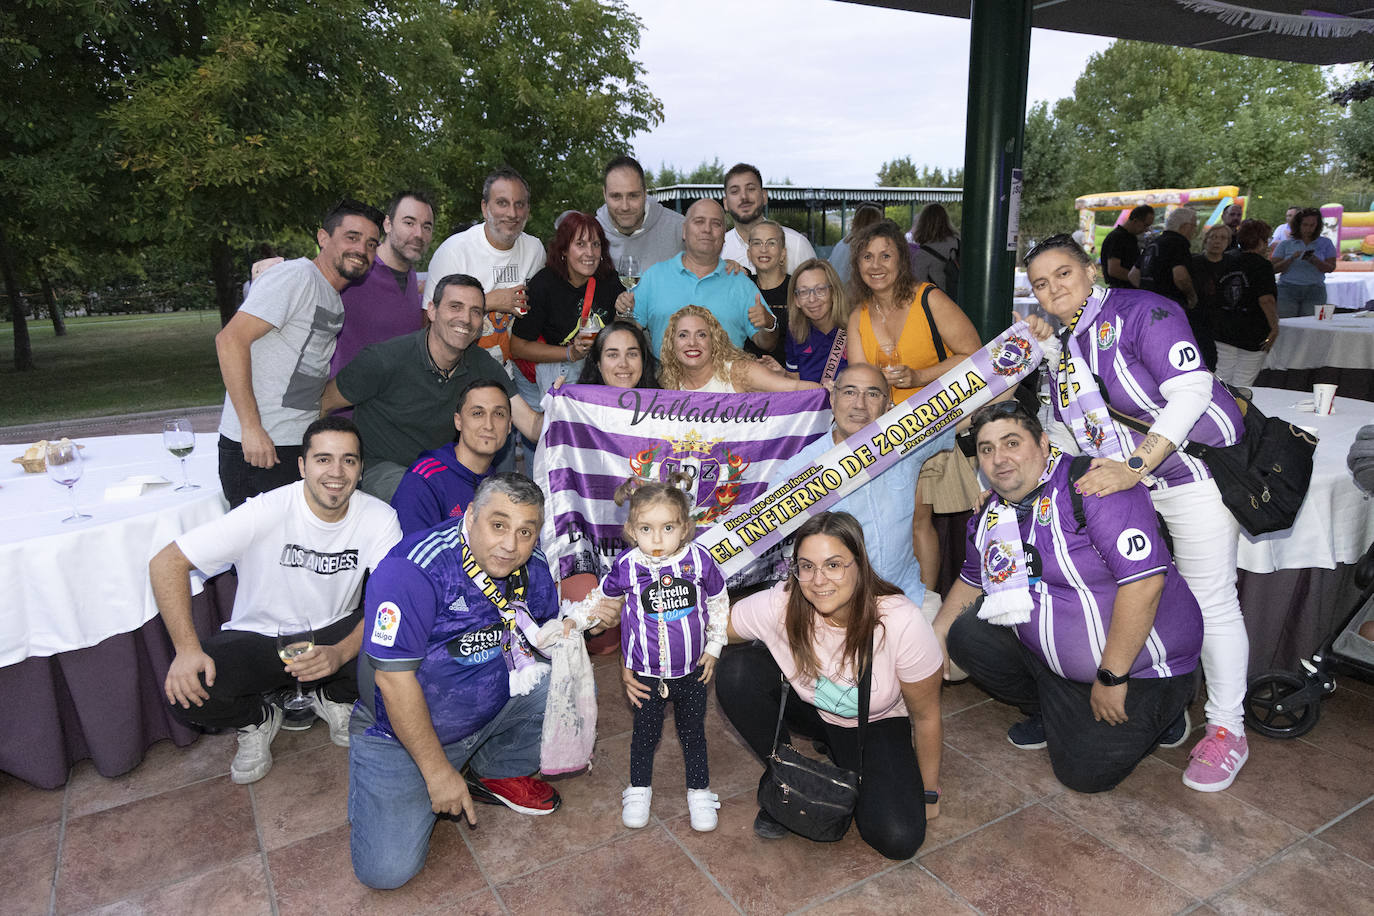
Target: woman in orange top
(914, 333)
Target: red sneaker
(525, 794)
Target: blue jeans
(1300, 300)
(388, 803)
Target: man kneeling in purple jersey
(1084, 623)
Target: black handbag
(1264, 477)
(813, 798)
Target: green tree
(904, 173)
(1356, 134)
(1046, 192)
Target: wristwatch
(1137, 464)
(932, 796)
(1107, 679)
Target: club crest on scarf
(1093, 431)
(711, 474)
(998, 562)
(1010, 356)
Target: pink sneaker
(1215, 760)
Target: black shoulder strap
(1077, 468)
(940, 353)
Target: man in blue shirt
(698, 276)
(448, 679)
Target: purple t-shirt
(376, 309)
(1074, 578)
(674, 593)
(1138, 341)
(808, 359)
(425, 615)
(436, 488)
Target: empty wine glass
(294, 639)
(64, 466)
(180, 440)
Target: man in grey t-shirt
(274, 353)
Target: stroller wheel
(1268, 712)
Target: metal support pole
(999, 56)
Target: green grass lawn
(111, 365)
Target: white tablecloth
(1344, 342)
(1336, 523)
(73, 585)
(1350, 289)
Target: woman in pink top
(814, 629)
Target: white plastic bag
(570, 714)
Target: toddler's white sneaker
(634, 806)
(702, 804)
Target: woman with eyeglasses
(1131, 353)
(817, 313)
(815, 629)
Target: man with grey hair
(448, 680)
(1163, 269)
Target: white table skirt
(1336, 523)
(1343, 342)
(74, 585)
(1350, 289)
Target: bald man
(698, 276)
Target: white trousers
(1238, 367)
(1205, 540)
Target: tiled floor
(1294, 835)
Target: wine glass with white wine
(628, 269)
(180, 440)
(64, 466)
(294, 639)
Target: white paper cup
(1323, 396)
(1325, 312)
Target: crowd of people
(373, 424)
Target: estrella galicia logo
(670, 598)
(476, 646)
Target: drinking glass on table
(180, 440)
(294, 639)
(64, 466)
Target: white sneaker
(254, 757)
(702, 804)
(335, 714)
(634, 806)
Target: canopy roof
(1305, 31)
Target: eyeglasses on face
(854, 392)
(806, 571)
(813, 292)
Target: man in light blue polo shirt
(697, 276)
(884, 506)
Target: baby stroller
(1281, 704)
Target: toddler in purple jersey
(672, 628)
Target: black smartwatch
(932, 796)
(1107, 679)
(1137, 464)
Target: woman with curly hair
(697, 355)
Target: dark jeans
(1087, 755)
(247, 667)
(240, 480)
(688, 696)
(891, 814)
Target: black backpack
(948, 276)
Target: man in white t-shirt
(301, 552)
(274, 353)
(746, 201)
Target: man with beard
(1231, 217)
(636, 226)
(386, 302)
(274, 353)
(745, 201)
(404, 391)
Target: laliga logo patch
(1042, 510)
(1106, 336)
(999, 562)
(1133, 544)
(387, 624)
(1010, 356)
